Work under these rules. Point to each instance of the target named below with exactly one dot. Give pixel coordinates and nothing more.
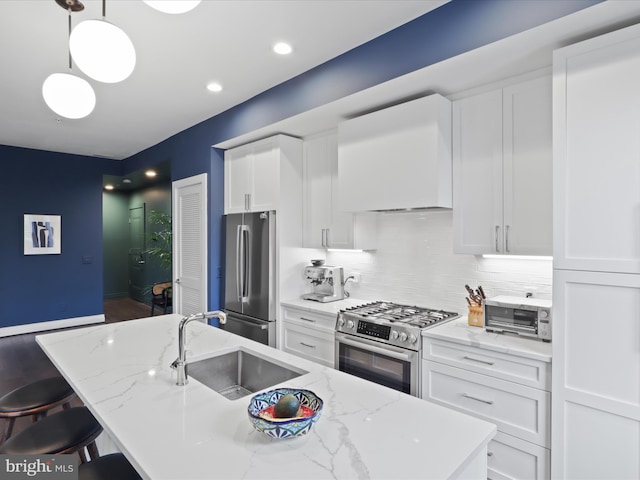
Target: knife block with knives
(475, 302)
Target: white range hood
(397, 158)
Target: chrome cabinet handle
(308, 319)
(506, 238)
(497, 234)
(307, 345)
(478, 360)
(323, 234)
(488, 402)
(328, 241)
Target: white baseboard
(52, 325)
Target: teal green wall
(115, 216)
(115, 208)
(156, 198)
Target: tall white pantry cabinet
(596, 280)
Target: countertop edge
(458, 331)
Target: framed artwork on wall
(42, 234)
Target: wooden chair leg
(92, 448)
(8, 428)
(38, 416)
(83, 455)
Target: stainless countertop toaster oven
(526, 317)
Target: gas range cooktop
(391, 323)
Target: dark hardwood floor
(22, 361)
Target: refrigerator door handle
(241, 262)
(246, 260)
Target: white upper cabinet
(397, 158)
(325, 224)
(502, 170)
(253, 173)
(597, 158)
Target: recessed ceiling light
(214, 87)
(150, 173)
(108, 187)
(282, 48)
(126, 180)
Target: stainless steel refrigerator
(249, 271)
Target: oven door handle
(387, 350)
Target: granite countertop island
(121, 372)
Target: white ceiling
(228, 41)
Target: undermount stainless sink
(240, 373)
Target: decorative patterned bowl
(310, 405)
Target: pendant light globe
(68, 96)
(173, 6)
(102, 51)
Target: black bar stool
(67, 431)
(114, 466)
(34, 399)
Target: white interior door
(190, 245)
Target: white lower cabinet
(510, 457)
(511, 391)
(310, 335)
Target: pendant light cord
(69, 38)
(104, 9)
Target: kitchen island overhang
(122, 373)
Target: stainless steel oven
(393, 367)
(382, 342)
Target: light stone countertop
(121, 372)
(329, 307)
(459, 331)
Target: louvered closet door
(190, 245)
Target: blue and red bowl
(259, 409)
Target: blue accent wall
(51, 287)
(39, 288)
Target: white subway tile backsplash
(415, 263)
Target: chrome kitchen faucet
(180, 363)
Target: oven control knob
(394, 334)
(350, 324)
(340, 322)
(412, 338)
(403, 337)
(543, 314)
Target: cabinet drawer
(511, 458)
(309, 343)
(311, 319)
(516, 409)
(525, 371)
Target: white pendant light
(102, 50)
(68, 96)
(173, 6)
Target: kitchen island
(121, 372)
